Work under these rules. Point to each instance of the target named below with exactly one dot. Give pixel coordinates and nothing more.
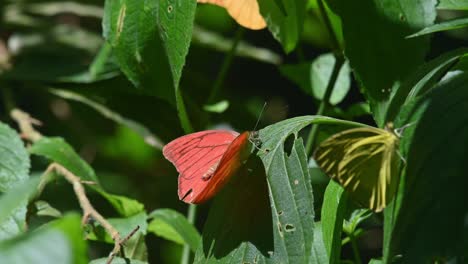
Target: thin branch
(25, 122)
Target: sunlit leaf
(442, 26)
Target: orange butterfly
(245, 12)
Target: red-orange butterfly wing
(205, 161)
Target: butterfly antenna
(260, 116)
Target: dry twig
(25, 122)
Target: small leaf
(124, 205)
(173, 226)
(453, 4)
(57, 242)
(218, 107)
(443, 26)
(284, 19)
(45, 209)
(333, 210)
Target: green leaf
(319, 252)
(443, 26)
(13, 204)
(14, 170)
(150, 40)
(14, 159)
(135, 247)
(118, 261)
(284, 19)
(376, 261)
(57, 150)
(45, 209)
(58, 242)
(313, 77)
(453, 4)
(124, 205)
(435, 177)
(333, 210)
(421, 80)
(173, 226)
(218, 107)
(379, 28)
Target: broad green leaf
(14, 170)
(173, 226)
(150, 41)
(319, 251)
(376, 261)
(284, 19)
(434, 192)
(140, 129)
(421, 80)
(376, 47)
(453, 4)
(14, 159)
(13, 207)
(244, 233)
(60, 241)
(313, 77)
(118, 261)
(333, 210)
(57, 150)
(442, 26)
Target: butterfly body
(365, 162)
(206, 161)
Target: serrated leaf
(13, 204)
(388, 56)
(284, 19)
(254, 229)
(57, 150)
(173, 226)
(14, 170)
(333, 210)
(58, 242)
(433, 192)
(150, 41)
(14, 159)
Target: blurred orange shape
(245, 12)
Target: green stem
(333, 39)
(8, 101)
(191, 216)
(339, 61)
(225, 66)
(357, 256)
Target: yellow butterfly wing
(365, 162)
(245, 12)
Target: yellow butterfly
(365, 161)
(245, 12)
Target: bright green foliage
(150, 40)
(173, 226)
